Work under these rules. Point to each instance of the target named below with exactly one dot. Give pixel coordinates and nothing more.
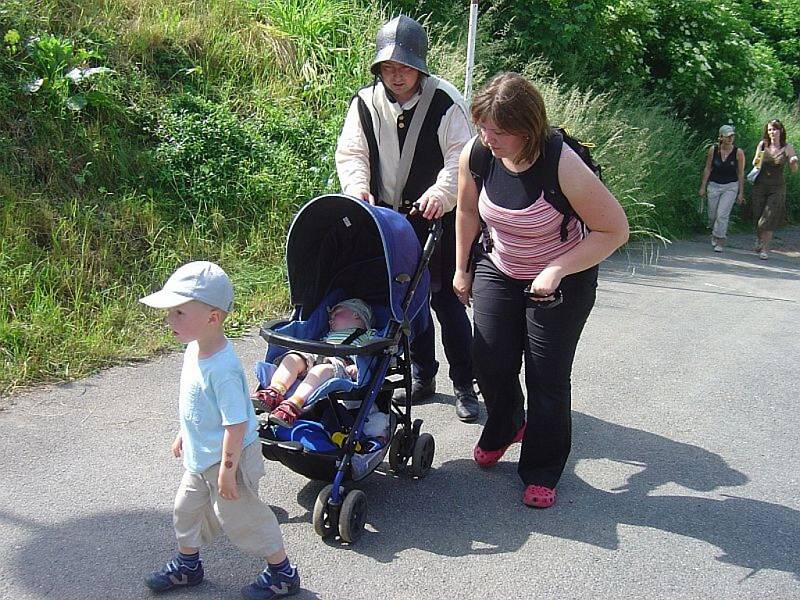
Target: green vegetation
(698, 58)
(136, 135)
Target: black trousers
(451, 314)
(456, 339)
(508, 326)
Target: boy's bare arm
(177, 446)
(231, 452)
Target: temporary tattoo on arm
(229, 464)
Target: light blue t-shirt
(213, 394)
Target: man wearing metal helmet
(400, 145)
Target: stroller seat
(316, 442)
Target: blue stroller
(340, 247)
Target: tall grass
(230, 111)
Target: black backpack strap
(552, 188)
(480, 157)
(375, 180)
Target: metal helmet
(402, 40)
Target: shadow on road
(460, 510)
(107, 556)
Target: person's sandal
(487, 458)
(267, 399)
(539, 496)
(286, 413)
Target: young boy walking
(218, 441)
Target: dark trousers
(456, 339)
(508, 326)
(451, 314)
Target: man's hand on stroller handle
(430, 207)
(366, 197)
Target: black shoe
(420, 390)
(467, 408)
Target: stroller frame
(337, 509)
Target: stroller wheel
(322, 519)
(422, 459)
(353, 516)
(396, 462)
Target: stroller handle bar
(434, 235)
(376, 345)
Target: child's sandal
(286, 413)
(268, 398)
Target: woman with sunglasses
(723, 183)
(769, 189)
(536, 260)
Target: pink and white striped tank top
(526, 240)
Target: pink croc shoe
(539, 496)
(487, 458)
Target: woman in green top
(769, 190)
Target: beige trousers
(200, 513)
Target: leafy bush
(778, 25)
(697, 56)
(204, 153)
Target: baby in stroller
(349, 323)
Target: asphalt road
(683, 481)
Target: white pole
(473, 26)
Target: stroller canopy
(340, 242)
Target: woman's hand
(462, 286)
(546, 282)
(740, 199)
(702, 192)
